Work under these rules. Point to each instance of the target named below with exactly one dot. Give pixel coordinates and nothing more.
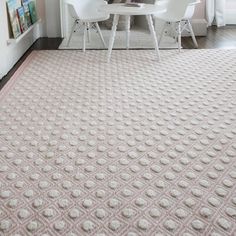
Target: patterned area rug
(139, 38)
(134, 147)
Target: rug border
(7, 87)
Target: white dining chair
(180, 13)
(85, 14)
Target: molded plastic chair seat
(179, 12)
(167, 18)
(90, 11)
(190, 11)
(97, 19)
(87, 13)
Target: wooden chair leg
(88, 32)
(112, 38)
(192, 34)
(100, 33)
(84, 38)
(71, 33)
(127, 28)
(162, 32)
(153, 34)
(179, 36)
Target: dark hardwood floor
(216, 38)
(224, 37)
(40, 44)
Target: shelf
(14, 41)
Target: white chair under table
(85, 13)
(180, 13)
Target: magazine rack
(14, 41)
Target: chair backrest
(71, 4)
(191, 9)
(175, 9)
(82, 9)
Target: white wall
(53, 25)
(230, 13)
(10, 54)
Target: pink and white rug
(134, 147)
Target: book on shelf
(12, 6)
(22, 19)
(33, 12)
(25, 4)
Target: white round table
(122, 9)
